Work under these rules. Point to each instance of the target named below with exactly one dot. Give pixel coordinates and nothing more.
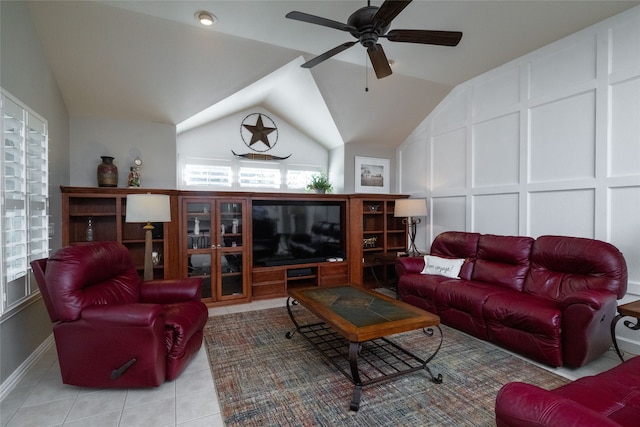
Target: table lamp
(148, 208)
(410, 209)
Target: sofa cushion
(564, 265)
(448, 267)
(457, 244)
(528, 325)
(502, 260)
(459, 304)
(419, 290)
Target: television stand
(274, 281)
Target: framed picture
(372, 175)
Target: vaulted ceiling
(152, 61)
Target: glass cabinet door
(199, 244)
(214, 236)
(231, 251)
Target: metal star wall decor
(259, 128)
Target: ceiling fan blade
(442, 38)
(328, 54)
(379, 61)
(388, 10)
(312, 19)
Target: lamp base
(414, 253)
(413, 225)
(148, 248)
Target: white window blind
(24, 219)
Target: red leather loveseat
(550, 299)
(611, 398)
(110, 328)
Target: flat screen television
(287, 232)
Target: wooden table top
(630, 309)
(359, 314)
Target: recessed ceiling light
(206, 18)
(391, 62)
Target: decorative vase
(320, 190)
(107, 173)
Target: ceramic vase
(107, 173)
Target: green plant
(320, 183)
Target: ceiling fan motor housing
(366, 31)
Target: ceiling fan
(370, 23)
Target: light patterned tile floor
(42, 400)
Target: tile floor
(41, 400)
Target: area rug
(264, 379)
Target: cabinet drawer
(333, 274)
(268, 290)
(334, 268)
(260, 276)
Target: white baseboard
(9, 384)
(628, 347)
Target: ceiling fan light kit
(370, 23)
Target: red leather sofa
(550, 299)
(611, 398)
(110, 328)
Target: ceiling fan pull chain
(366, 74)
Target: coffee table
(352, 333)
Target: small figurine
(134, 173)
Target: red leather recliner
(110, 328)
(611, 398)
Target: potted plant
(320, 183)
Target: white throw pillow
(442, 266)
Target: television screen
(297, 232)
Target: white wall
(217, 140)
(353, 149)
(154, 143)
(25, 73)
(546, 144)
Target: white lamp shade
(148, 208)
(410, 208)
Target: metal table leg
(629, 324)
(613, 335)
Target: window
(24, 220)
(298, 179)
(259, 177)
(243, 175)
(207, 176)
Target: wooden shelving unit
(373, 238)
(106, 207)
(376, 238)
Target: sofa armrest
(595, 298)
(586, 325)
(409, 265)
(525, 405)
(171, 291)
(122, 315)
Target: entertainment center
(247, 245)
